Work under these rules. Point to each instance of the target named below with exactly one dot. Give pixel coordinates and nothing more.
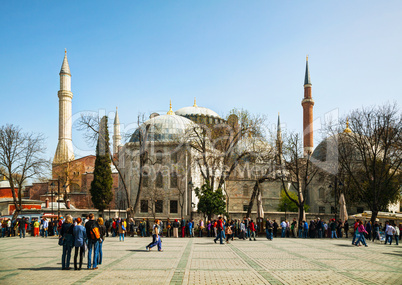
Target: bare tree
(370, 154)
(21, 158)
(296, 172)
(154, 196)
(90, 124)
(216, 145)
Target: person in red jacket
(252, 229)
(219, 229)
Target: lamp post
(190, 190)
(52, 187)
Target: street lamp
(52, 187)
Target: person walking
(252, 230)
(268, 228)
(176, 226)
(397, 233)
(376, 231)
(21, 227)
(346, 228)
(93, 235)
(121, 229)
(333, 229)
(183, 227)
(219, 230)
(209, 225)
(169, 228)
(361, 230)
(390, 233)
(80, 235)
(36, 228)
(283, 229)
(45, 227)
(200, 228)
(155, 237)
(229, 231)
(102, 231)
(66, 233)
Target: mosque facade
(169, 175)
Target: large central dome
(165, 128)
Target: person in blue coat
(80, 235)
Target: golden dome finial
(347, 130)
(65, 51)
(170, 112)
(306, 57)
(195, 102)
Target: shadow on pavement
(137, 250)
(41, 268)
(391, 253)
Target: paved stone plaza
(200, 261)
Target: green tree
(210, 202)
(287, 205)
(101, 185)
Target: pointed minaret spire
(307, 79)
(170, 112)
(307, 104)
(64, 151)
(65, 68)
(195, 103)
(116, 133)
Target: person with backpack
(80, 235)
(102, 230)
(121, 229)
(66, 234)
(93, 235)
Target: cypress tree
(101, 185)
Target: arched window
(173, 180)
(321, 193)
(159, 180)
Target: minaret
(278, 140)
(64, 151)
(307, 104)
(116, 134)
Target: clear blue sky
(246, 54)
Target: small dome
(327, 150)
(196, 111)
(165, 128)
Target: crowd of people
(88, 234)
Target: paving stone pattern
(201, 261)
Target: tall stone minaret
(64, 151)
(307, 104)
(116, 134)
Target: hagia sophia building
(168, 188)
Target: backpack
(95, 233)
